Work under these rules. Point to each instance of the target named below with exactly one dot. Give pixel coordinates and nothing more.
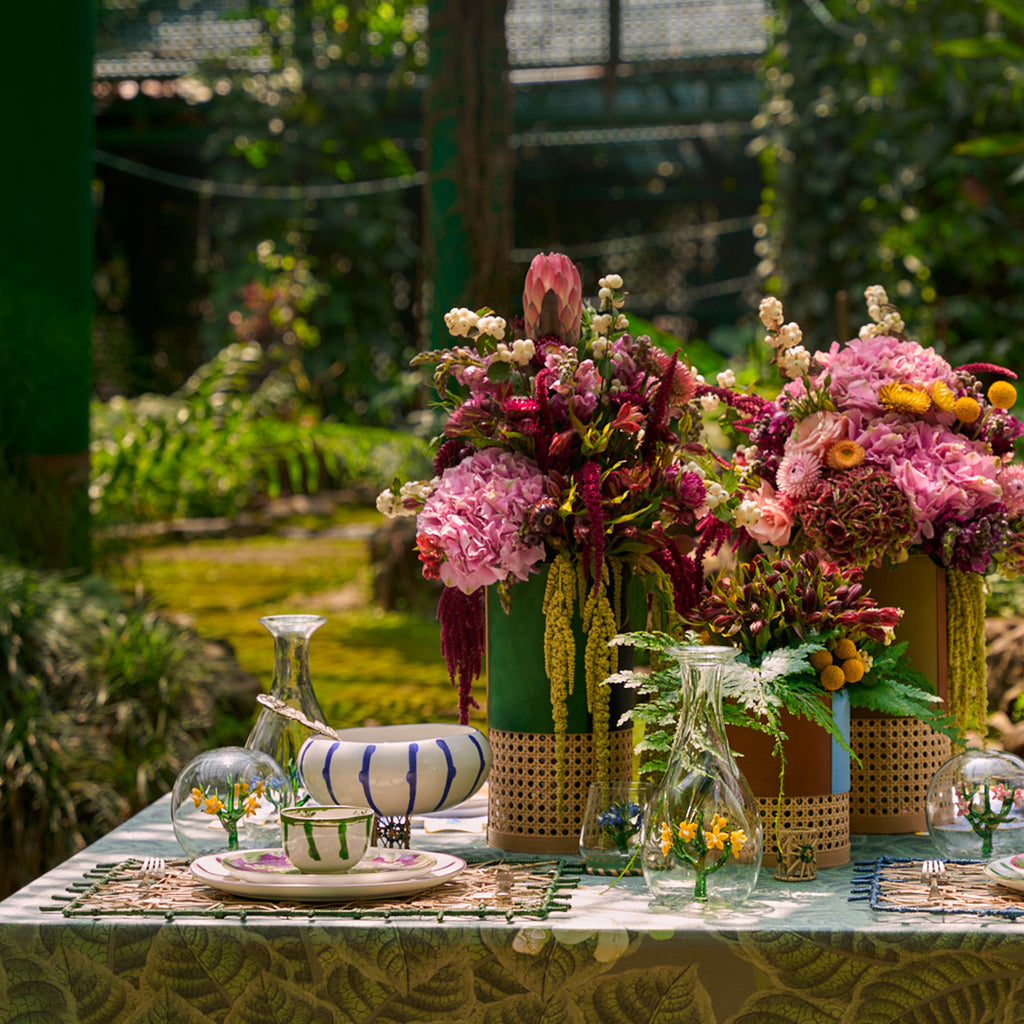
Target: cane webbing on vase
(899, 757)
(828, 814)
(523, 812)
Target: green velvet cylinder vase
(524, 810)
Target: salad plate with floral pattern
(347, 885)
(380, 863)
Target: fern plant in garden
(237, 432)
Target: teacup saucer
(378, 861)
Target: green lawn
(366, 665)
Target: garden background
(284, 198)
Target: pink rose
(776, 522)
(815, 434)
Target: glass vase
(702, 839)
(273, 733)
(612, 827)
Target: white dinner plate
(343, 886)
(1003, 872)
(378, 864)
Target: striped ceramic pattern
(397, 770)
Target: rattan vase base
(889, 789)
(827, 814)
(522, 803)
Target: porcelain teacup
(326, 839)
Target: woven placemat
(502, 888)
(895, 885)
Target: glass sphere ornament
(975, 806)
(229, 799)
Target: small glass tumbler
(612, 823)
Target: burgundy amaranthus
(463, 639)
(589, 479)
(658, 418)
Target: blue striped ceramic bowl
(398, 770)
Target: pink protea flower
(553, 298)
(469, 531)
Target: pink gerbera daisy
(798, 472)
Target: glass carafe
(702, 838)
(273, 733)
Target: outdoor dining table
(587, 948)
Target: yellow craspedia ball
(966, 409)
(853, 670)
(1002, 394)
(844, 649)
(819, 660)
(832, 677)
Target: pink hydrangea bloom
(860, 367)
(938, 470)
(473, 520)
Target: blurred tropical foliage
(890, 147)
(238, 433)
(284, 152)
(102, 703)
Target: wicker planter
(523, 811)
(816, 786)
(899, 756)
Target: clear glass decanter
(273, 733)
(702, 838)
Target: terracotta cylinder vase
(899, 756)
(815, 782)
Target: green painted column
(46, 257)
(468, 201)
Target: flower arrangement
(240, 800)
(569, 443)
(704, 850)
(879, 448)
(802, 627)
(620, 822)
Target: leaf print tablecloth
(797, 954)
